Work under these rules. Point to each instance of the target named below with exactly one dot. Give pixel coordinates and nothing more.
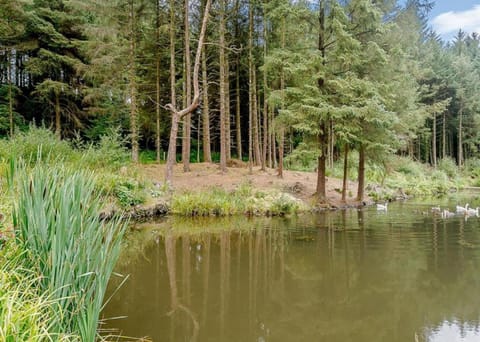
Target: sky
(448, 16)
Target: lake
(354, 275)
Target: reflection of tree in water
(333, 277)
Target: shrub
(448, 166)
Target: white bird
(383, 207)
(472, 212)
(462, 210)
(436, 209)
(447, 213)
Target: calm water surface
(363, 276)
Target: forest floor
(301, 185)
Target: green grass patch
(243, 200)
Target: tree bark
(207, 152)
(228, 134)
(237, 111)
(58, 125)
(10, 95)
(345, 175)
(434, 141)
(187, 120)
(176, 114)
(157, 83)
(223, 137)
(460, 138)
(361, 173)
(265, 86)
(250, 85)
(444, 138)
(133, 87)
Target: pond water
(355, 275)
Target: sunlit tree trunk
(176, 114)
(187, 120)
(223, 137)
(460, 138)
(207, 154)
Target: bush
(448, 166)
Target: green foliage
(448, 166)
(56, 215)
(303, 158)
(244, 200)
(26, 314)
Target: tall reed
(25, 313)
(56, 216)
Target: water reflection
(341, 276)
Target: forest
(275, 82)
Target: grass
(243, 200)
(56, 216)
(109, 158)
(26, 314)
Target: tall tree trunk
(58, 125)
(187, 120)
(434, 141)
(281, 130)
(281, 144)
(444, 137)
(265, 86)
(361, 173)
(133, 87)
(322, 138)
(157, 83)
(207, 152)
(178, 115)
(228, 134)
(271, 150)
(256, 131)
(345, 174)
(250, 85)
(10, 94)
(223, 137)
(460, 138)
(238, 126)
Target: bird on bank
(472, 212)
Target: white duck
(472, 212)
(382, 207)
(447, 213)
(461, 210)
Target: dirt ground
(300, 184)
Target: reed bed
(56, 218)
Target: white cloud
(450, 22)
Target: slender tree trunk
(271, 150)
(237, 110)
(256, 131)
(281, 130)
(250, 85)
(460, 138)
(322, 138)
(172, 145)
(157, 83)
(10, 94)
(238, 126)
(345, 175)
(223, 137)
(281, 144)
(444, 138)
(133, 87)
(207, 154)
(228, 134)
(361, 173)
(178, 115)
(434, 141)
(58, 125)
(187, 120)
(265, 87)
